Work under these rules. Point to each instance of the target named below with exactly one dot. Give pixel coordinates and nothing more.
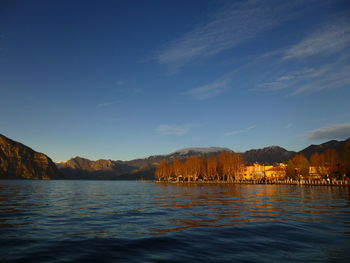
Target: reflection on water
(134, 221)
(218, 205)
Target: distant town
(330, 167)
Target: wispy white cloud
(212, 89)
(107, 104)
(308, 80)
(104, 104)
(123, 86)
(318, 70)
(120, 82)
(288, 126)
(209, 90)
(335, 76)
(177, 130)
(227, 28)
(338, 131)
(292, 78)
(112, 119)
(235, 132)
(137, 90)
(329, 39)
(231, 133)
(126, 89)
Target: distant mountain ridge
(271, 154)
(78, 167)
(18, 161)
(144, 168)
(321, 148)
(200, 150)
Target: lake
(132, 221)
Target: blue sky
(128, 79)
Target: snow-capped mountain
(200, 150)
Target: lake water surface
(122, 221)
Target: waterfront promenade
(281, 182)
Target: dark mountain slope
(18, 161)
(272, 154)
(143, 168)
(321, 148)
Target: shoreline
(339, 183)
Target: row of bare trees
(228, 166)
(328, 164)
(223, 167)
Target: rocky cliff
(18, 161)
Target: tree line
(222, 167)
(330, 164)
(228, 166)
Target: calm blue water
(113, 221)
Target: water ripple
(109, 221)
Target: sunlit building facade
(259, 171)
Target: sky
(127, 79)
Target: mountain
(278, 154)
(143, 168)
(86, 164)
(272, 154)
(81, 168)
(18, 161)
(321, 148)
(200, 151)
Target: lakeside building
(318, 172)
(276, 172)
(258, 171)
